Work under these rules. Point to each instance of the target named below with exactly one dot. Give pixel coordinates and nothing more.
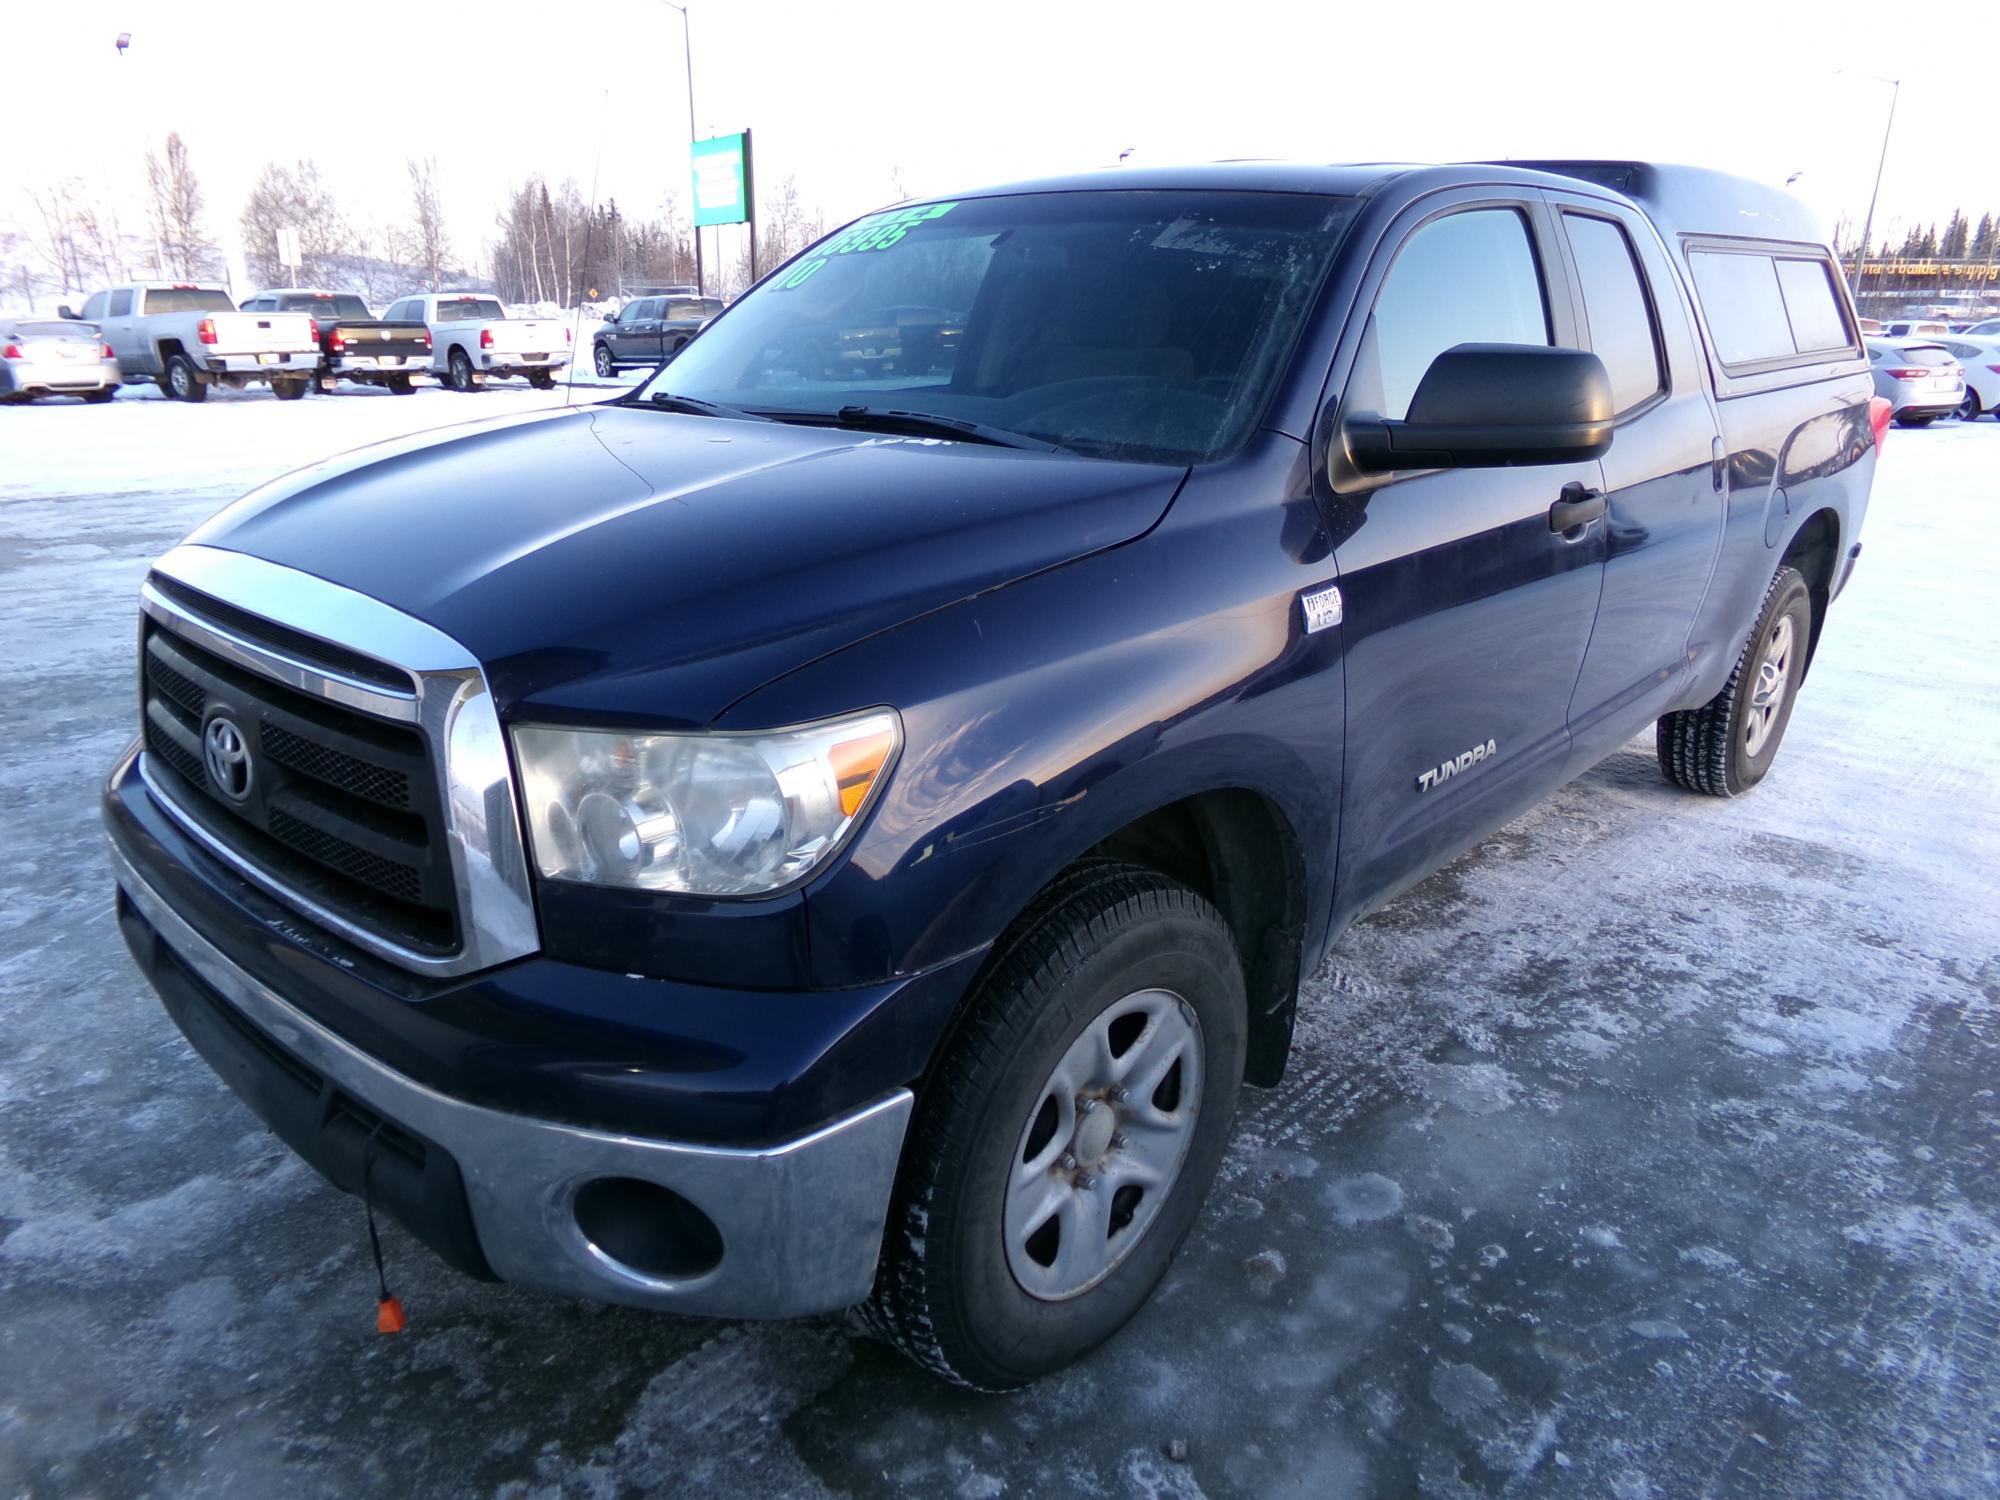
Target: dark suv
(793, 838)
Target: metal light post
(1868, 225)
(687, 54)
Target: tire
(292, 388)
(1107, 948)
(98, 398)
(542, 380)
(460, 367)
(1969, 410)
(607, 367)
(1905, 421)
(399, 385)
(182, 381)
(1726, 746)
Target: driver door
(1467, 612)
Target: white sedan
(1981, 357)
(55, 357)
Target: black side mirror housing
(66, 311)
(1493, 405)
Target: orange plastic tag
(389, 1315)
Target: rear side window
(1469, 278)
(1615, 301)
(1761, 308)
(1812, 307)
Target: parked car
(1980, 359)
(752, 848)
(54, 357)
(1871, 327)
(1987, 329)
(354, 344)
(1925, 328)
(1919, 379)
(648, 330)
(473, 339)
(187, 337)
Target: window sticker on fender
(876, 232)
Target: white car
(55, 357)
(473, 339)
(1981, 358)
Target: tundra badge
(1322, 607)
(1428, 779)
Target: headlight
(703, 814)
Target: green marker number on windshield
(876, 232)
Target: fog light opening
(647, 1229)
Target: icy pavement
(1650, 1150)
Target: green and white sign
(722, 180)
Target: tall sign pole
(687, 56)
(1868, 225)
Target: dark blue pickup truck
(801, 836)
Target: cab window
(1468, 278)
(1615, 302)
(121, 303)
(94, 308)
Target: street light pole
(1868, 225)
(687, 55)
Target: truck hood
(615, 564)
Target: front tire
(1726, 746)
(183, 382)
(1969, 410)
(607, 367)
(1068, 1133)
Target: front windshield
(1129, 324)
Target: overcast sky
(853, 98)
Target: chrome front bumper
(800, 1223)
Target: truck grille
(339, 806)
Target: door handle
(1577, 506)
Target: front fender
(1043, 717)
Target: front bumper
(57, 377)
(782, 1230)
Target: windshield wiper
(694, 406)
(879, 419)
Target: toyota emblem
(227, 755)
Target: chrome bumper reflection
(801, 1221)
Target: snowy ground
(1694, 1191)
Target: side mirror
(1491, 405)
(66, 311)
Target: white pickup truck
(188, 337)
(473, 339)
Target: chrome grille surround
(448, 701)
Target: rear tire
(291, 389)
(1726, 746)
(542, 380)
(1025, 1168)
(98, 398)
(182, 381)
(399, 385)
(460, 366)
(1903, 421)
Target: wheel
(183, 382)
(98, 398)
(399, 385)
(1915, 421)
(1969, 409)
(1725, 747)
(460, 365)
(542, 380)
(290, 388)
(606, 365)
(1068, 1133)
